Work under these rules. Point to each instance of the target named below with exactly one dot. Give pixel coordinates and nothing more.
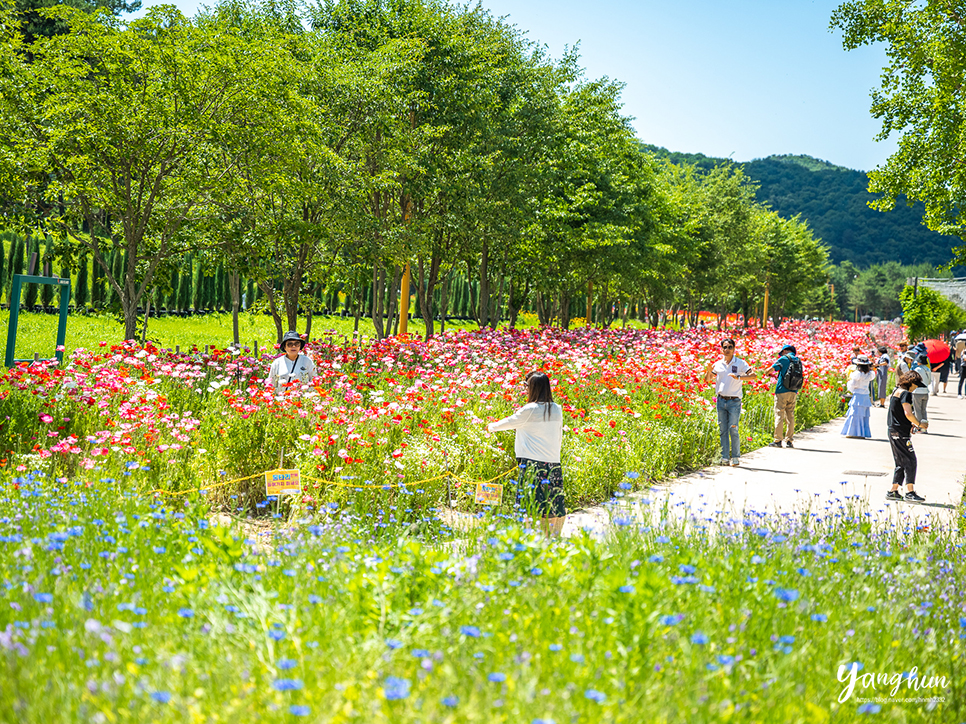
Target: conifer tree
(197, 299)
(30, 295)
(184, 288)
(80, 290)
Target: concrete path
(824, 474)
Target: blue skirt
(857, 420)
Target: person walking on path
(882, 374)
(789, 382)
(539, 426)
(857, 419)
(904, 360)
(900, 421)
(920, 396)
(293, 368)
(727, 374)
(962, 373)
(942, 369)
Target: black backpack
(794, 376)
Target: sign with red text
(282, 482)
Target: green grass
(116, 608)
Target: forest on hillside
(834, 202)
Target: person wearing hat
(857, 419)
(786, 394)
(906, 358)
(293, 368)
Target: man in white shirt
(292, 369)
(727, 374)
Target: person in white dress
(857, 419)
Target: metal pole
(15, 288)
(62, 324)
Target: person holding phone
(728, 373)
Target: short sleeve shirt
(726, 386)
(897, 420)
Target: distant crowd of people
(539, 423)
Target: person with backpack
(791, 377)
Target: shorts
(540, 487)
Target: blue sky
(745, 78)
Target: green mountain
(834, 201)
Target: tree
(922, 99)
(81, 287)
(134, 157)
(928, 314)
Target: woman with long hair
(539, 426)
(857, 419)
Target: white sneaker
(735, 462)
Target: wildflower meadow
(143, 580)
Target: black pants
(905, 458)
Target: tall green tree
(130, 152)
(921, 98)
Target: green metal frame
(16, 285)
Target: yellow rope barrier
(383, 486)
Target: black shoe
(912, 497)
(774, 444)
(788, 443)
(893, 495)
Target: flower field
(115, 607)
(400, 413)
(118, 605)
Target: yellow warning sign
(283, 482)
(489, 493)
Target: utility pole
(764, 313)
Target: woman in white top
(539, 426)
(857, 419)
(293, 368)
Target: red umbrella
(937, 350)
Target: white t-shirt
(284, 371)
(727, 386)
(539, 433)
(859, 381)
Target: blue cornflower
(421, 653)
(276, 635)
(393, 643)
(633, 475)
(396, 688)
(869, 708)
(656, 558)
(625, 486)
(787, 595)
(471, 631)
(287, 684)
(626, 589)
(450, 701)
(595, 695)
(671, 620)
(286, 664)
(507, 556)
(299, 710)
(700, 638)
(496, 677)
(43, 597)
(186, 613)
(555, 647)
(536, 571)
(820, 617)
(687, 569)
(162, 697)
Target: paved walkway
(824, 474)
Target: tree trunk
(268, 289)
(483, 299)
(426, 286)
(444, 300)
(378, 299)
(234, 287)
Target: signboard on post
(489, 493)
(283, 482)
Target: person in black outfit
(900, 421)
